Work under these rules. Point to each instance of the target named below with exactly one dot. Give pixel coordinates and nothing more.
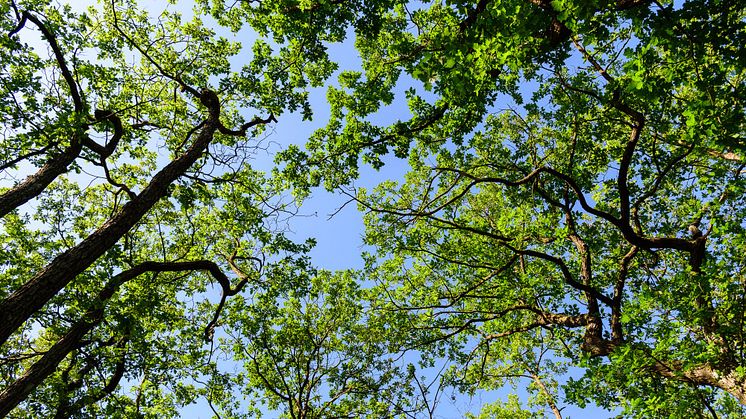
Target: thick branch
(106, 150)
(34, 294)
(624, 165)
(34, 184)
(47, 364)
(15, 393)
(702, 375)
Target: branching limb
(106, 150)
(566, 274)
(16, 392)
(194, 92)
(34, 184)
(542, 319)
(52, 40)
(16, 308)
(227, 290)
(629, 234)
(241, 131)
(67, 410)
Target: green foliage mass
(573, 207)
(137, 238)
(575, 184)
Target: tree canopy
(571, 220)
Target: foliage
(130, 210)
(576, 174)
(313, 356)
(574, 202)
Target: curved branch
(566, 274)
(16, 392)
(241, 132)
(49, 36)
(66, 411)
(625, 228)
(624, 165)
(19, 306)
(106, 150)
(531, 176)
(227, 291)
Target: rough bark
(15, 393)
(705, 375)
(36, 183)
(34, 294)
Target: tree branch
(617, 334)
(52, 40)
(16, 308)
(16, 392)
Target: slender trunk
(550, 399)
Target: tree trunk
(18, 307)
(47, 364)
(41, 369)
